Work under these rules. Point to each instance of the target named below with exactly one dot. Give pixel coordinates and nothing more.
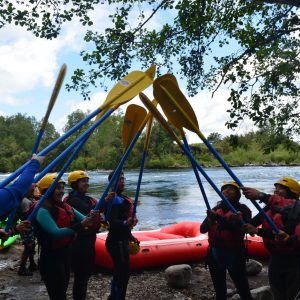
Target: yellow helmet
(134, 247)
(46, 181)
(74, 176)
(291, 184)
(232, 183)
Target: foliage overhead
(250, 47)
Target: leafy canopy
(250, 47)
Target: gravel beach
(144, 285)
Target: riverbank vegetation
(104, 148)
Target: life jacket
(64, 217)
(224, 238)
(285, 213)
(123, 205)
(87, 199)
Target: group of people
(226, 231)
(66, 227)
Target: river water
(170, 196)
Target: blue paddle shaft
(235, 178)
(137, 192)
(11, 177)
(197, 175)
(101, 201)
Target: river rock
(179, 276)
(253, 267)
(262, 293)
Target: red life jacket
(223, 238)
(64, 217)
(278, 210)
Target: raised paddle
(164, 123)
(79, 143)
(120, 94)
(195, 171)
(133, 119)
(139, 110)
(52, 101)
(180, 113)
(145, 152)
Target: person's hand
(131, 222)
(211, 214)
(110, 196)
(88, 222)
(248, 228)
(251, 193)
(236, 218)
(40, 159)
(4, 235)
(281, 236)
(23, 227)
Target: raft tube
(175, 244)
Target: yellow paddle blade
(153, 110)
(55, 92)
(133, 119)
(174, 104)
(129, 87)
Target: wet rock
(262, 293)
(253, 267)
(179, 275)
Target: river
(170, 196)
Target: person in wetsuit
(119, 215)
(57, 225)
(226, 243)
(283, 208)
(83, 248)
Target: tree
(252, 47)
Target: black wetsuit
(224, 256)
(117, 244)
(83, 248)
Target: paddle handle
(235, 178)
(137, 192)
(196, 173)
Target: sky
(29, 67)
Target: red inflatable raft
(175, 244)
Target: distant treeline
(104, 148)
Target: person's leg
(238, 274)
(53, 272)
(292, 283)
(83, 260)
(277, 282)
(23, 271)
(218, 276)
(119, 252)
(32, 265)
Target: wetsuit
(11, 196)
(83, 248)
(55, 242)
(284, 264)
(117, 244)
(227, 250)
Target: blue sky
(29, 67)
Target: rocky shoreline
(147, 284)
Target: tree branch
(295, 3)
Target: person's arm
(45, 220)
(204, 227)
(11, 195)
